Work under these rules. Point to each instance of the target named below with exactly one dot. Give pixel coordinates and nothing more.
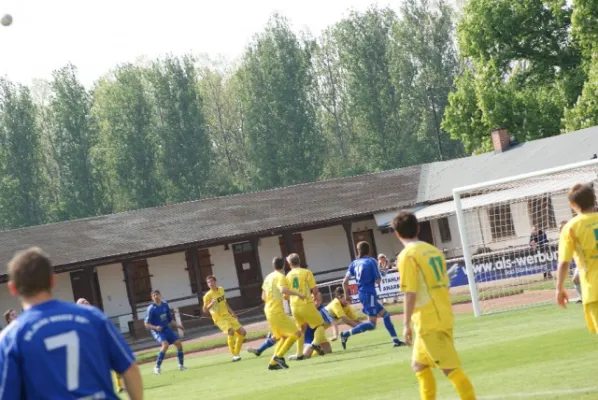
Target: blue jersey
(60, 350)
(366, 273)
(158, 315)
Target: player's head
(83, 302)
(10, 315)
(363, 249)
(405, 225)
(582, 198)
(211, 281)
(339, 293)
(278, 263)
(156, 296)
(30, 273)
(294, 260)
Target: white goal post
(509, 232)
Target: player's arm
(408, 285)
(346, 320)
(348, 276)
(133, 382)
(208, 303)
(230, 310)
(313, 286)
(377, 276)
(566, 246)
(283, 286)
(149, 318)
(11, 381)
(172, 322)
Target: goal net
(509, 232)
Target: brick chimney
(500, 140)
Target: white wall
(326, 249)
(113, 290)
(269, 248)
(224, 268)
(171, 278)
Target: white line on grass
(540, 394)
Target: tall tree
(129, 143)
(285, 145)
(21, 175)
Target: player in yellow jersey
(579, 240)
(425, 282)
(304, 310)
(214, 302)
(341, 312)
(274, 288)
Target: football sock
(319, 335)
(181, 356)
(160, 359)
(363, 327)
(300, 343)
(578, 289)
(266, 345)
(239, 343)
(288, 343)
(118, 380)
(231, 344)
(279, 345)
(389, 326)
(427, 384)
(462, 384)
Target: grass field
(538, 353)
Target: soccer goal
(509, 230)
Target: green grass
(542, 350)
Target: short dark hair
(156, 292)
(211, 277)
(7, 315)
(339, 292)
(583, 196)
(31, 272)
(405, 225)
(363, 249)
(278, 263)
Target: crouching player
(341, 312)
(424, 280)
(224, 318)
(324, 346)
(160, 323)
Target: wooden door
(85, 284)
(296, 247)
(425, 232)
(250, 281)
(366, 236)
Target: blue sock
(389, 326)
(363, 327)
(266, 345)
(181, 356)
(160, 359)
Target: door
(425, 232)
(366, 236)
(250, 282)
(87, 285)
(296, 247)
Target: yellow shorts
(228, 322)
(590, 310)
(281, 325)
(307, 314)
(436, 349)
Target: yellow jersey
(422, 270)
(301, 280)
(579, 241)
(220, 309)
(272, 286)
(337, 311)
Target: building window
(445, 230)
(541, 213)
(205, 269)
(501, 221)
(141, 281)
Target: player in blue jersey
(55, 349)
(160, 323)
(367, 275)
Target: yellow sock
(118, 380)
(231, 344)
(427, 384)
(319, 335)
(300, 343)
(239, 343)
(462, 384)
(279, 345)
(314, 353)
(288, 343)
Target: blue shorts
(309, 332)
(167, 335)
(371, 306)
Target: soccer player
(309, 335)
(10, 315)
(575, 277)
(341, 312)
(578, 241)
(274, 288)
(55, 349)
(117, 378)
(224, 318)
(365, 271)
(425, 283)
(160, 322)
(303, 309)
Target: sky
(97, 35)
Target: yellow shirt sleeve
(408, 274)
(337, 309)
(207, 298)
(350, 312)
(566, 245)
(311, 281)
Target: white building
(117, 260)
